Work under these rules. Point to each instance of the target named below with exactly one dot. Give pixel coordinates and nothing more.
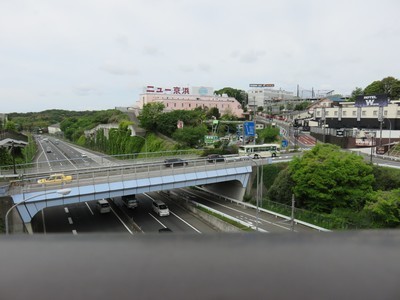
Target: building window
(335, 113)
(327, 113)
(182, 104)
(398, 112)
(174, 104)
(190, 105)
(354, 112)
(318, 113)
(375, 112)
(167, 104)
(385, 112)
(344, 113)
(364, 113)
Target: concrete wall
(231, 189)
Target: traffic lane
(78, 218)
(149, 221)
(263, 220)
(89, 219)
(142, 215)
(172, 221)
(189, 222)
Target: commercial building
(269, 99)
(371, 124)
(188, 98)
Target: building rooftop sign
(179, 90)
(262, 85)
(371, 100)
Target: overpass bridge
(230, 178)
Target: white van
(130, 201)
(160, 208)
(103, 206)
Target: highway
(263, 221)
(84, 218)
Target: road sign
(249, 129)
(210, 139)
(284, 143)
(262, 85)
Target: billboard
(372, 100)
(262, 85)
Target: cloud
(248, 57)
(50, 46)
(204, 67)
(151, 51)
(85, 90)
(119, 69)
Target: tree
(149, 116)
(213, 112)
(384, 208)
(388, 85)
(386, 178)
(10, 125)
(326, 178)
(281, 189)
(239, 95)
(356, 92)
(302, 106)
(268, 135)
(190, 136)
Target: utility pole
(292, 217)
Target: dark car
(175, 162)
(215, 158)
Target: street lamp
(258, 191)
(61, 192)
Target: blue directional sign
(284, 143)
(249, 129)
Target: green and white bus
(259, 151)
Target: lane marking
(66, 210)
(126, 226)
(74, 232)
(158, 220)
(195, 229)
(89, 208)
(70, 220)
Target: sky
(99, 54)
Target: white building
(267, 96)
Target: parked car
(212, 158)
(175, 162)
(55, 178)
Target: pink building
(188, 98)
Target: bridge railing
(120, 173)
(69, 164)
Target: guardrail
(196, 204)
(71, 163)
(267, 211)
